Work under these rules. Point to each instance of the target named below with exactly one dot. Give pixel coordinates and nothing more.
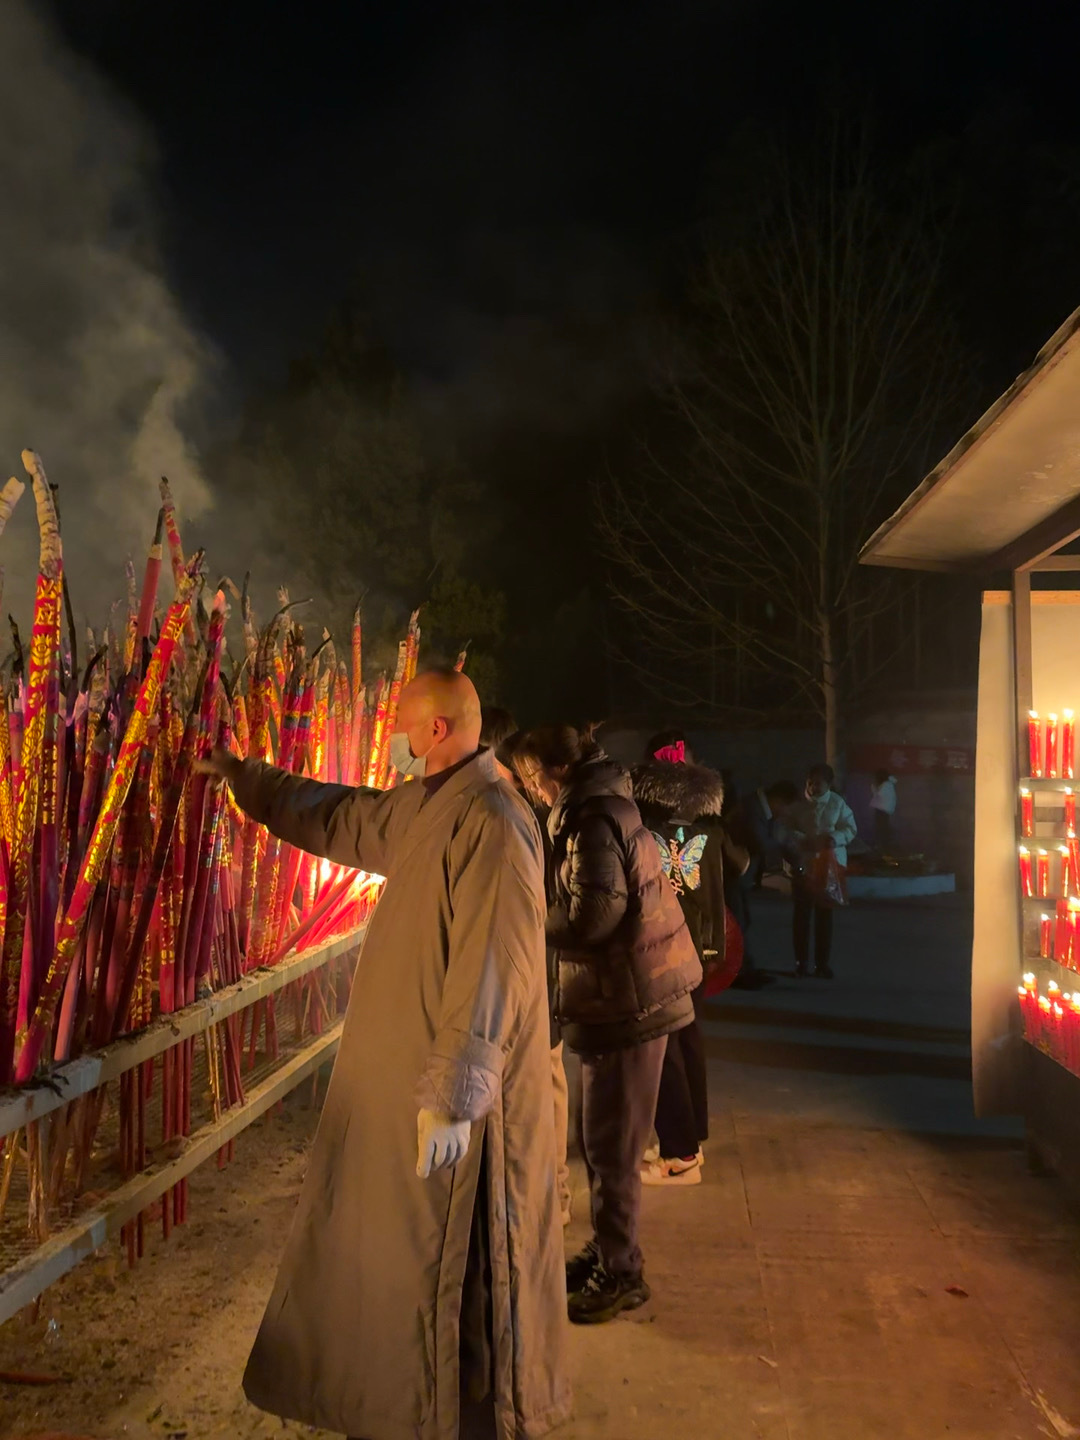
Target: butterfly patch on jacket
(681, 862)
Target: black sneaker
(604, 1296)
(581, 1267)
(822, 972)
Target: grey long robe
(448, 1010)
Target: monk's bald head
(440, 713)
(444, 693)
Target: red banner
(911, 760)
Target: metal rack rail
(29, 1263)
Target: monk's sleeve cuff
(249, 787)
(462, 1076)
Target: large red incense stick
(19, 982)
(29, 1042)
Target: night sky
(511, 195)
(469, 164)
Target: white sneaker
(652, 1155)
(672, 1172)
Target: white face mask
(402, 757)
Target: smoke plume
(97, 363)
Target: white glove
(440, 1142)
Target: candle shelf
(1051, 1018)
(1048, 873)
(969, 516)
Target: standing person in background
(499, 732)
(680, 802)
(759, 823)
(819, 823)
(626, 969)
(741, 853)
(883, 804)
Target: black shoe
(604, 1296)
(581, 1267)
(752, 980)
(800, 971)
(822, 972)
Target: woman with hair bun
(625, 969)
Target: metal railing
(79, 1223)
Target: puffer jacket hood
(688, 791)
(594, 776)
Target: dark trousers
(737, 899)
(618, 1102)
(882, 829)
(810, 916)
(682, 1107)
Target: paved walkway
(864, 1259)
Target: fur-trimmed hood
(688, 791)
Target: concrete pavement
(864, 1259)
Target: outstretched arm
(343, 824)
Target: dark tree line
(844, 311)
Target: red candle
(1029, 1011)
(1070, 810)
(1070, 954)
(1035, 744)
(1026, 885)
(1052, 737)
(1046, 937)
(1042, 1030)
(1027, 813)
(1042, 875)
(1061, 934)
(1068, 746)
(1068, 877)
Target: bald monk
(422, 1291)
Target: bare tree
(807, 381)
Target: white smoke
(97, 362)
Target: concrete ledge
(898, 887)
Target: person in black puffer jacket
(626, 967)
